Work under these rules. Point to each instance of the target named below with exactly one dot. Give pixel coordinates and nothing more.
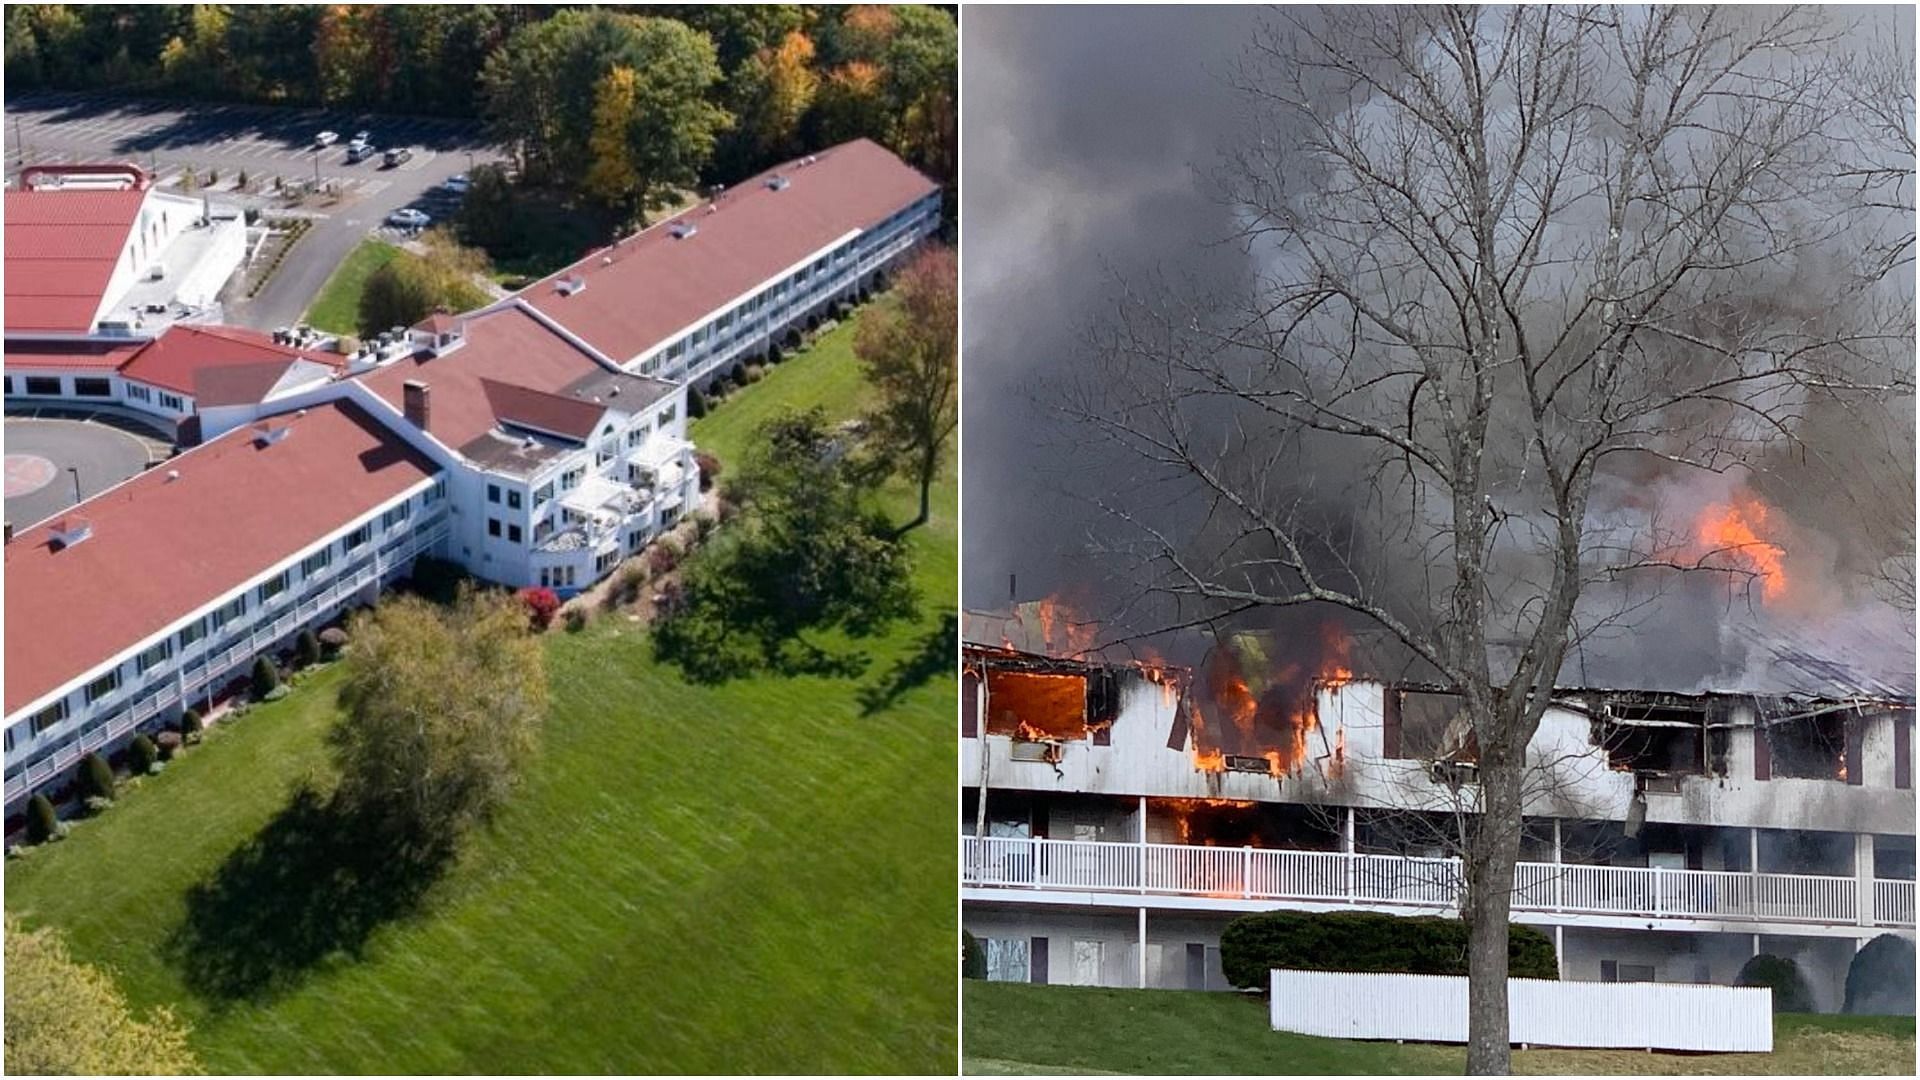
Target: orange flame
(1738, 528)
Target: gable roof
(178, 358)
(61, 251)
(70, 355)
(647, 288)
(161, 549)
(509, 369)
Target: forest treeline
(620, 103)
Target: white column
(1863, 878)
(1560, 949)
(1143, 948)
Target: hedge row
(1253, 945)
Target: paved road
(265, 142)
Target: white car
(408, 218)
(458, 183)
(326, 138)
(361, 144)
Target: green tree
(442, 707)
(66, 1018)
(485, 218)
(809, 552)
(909, 344)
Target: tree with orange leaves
(910, 346)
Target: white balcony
(1389, 881)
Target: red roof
(70, 355)
(504, 346)
(542, 411)
(184, 353)
(657, 285)
(161, 549)
(62, 247)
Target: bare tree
(1510, 259)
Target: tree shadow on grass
(314, 883)
(938, 653)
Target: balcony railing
(1334, 877)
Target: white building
(544, 439)
(1670, 836)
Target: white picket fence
(1433, 1008)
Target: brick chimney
(417, 404)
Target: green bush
(42, 823)
(738, 374)
(438, 580)
(191, 722)
(144, 753)
(1782, 976)
(973, 959)
(266, 677)
(96, 776)
(1253, 945)
(1880, 979)
(307, 648)
(696, 403)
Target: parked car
(326, 139)
(362, 143)
(397, 155)
(408, 218)
(358, 153)
(458, 183)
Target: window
(513, 500)
(49, 716)
(572, 477)
(139, 393)
(229, 611)
(542, 530)
(1007, 959)
(543, 493)
(435, 493)
(172, 401)
(316, 562)
(546, 578)
(275, 585)
(1614, 971)
(153, 657)
(396, 515)
(193, 632)
(605, 562)
(493, 493)
(513, 533)
(104, 686)
(668, 414)
(43, 384)
(92, 387)
(493, 526)
(638, 434)
(9, 390)
(357, 537)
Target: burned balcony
(1809, 745)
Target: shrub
(626, 585)
(541, 603)
(98, 804)
(696, 403)
(265, 677)
(168, 743)
(709, 468)
(973, 959)
(738, 374)
(1880, 979)
(774, 355)
(1782, 976)
(276, 693)
(332, 640)
(438, 579)
(96, 776)
(754, 373)
(42, 823)
(191, 722)
(661, 559)
(144, 753)
(306, 650)
(1253, 945)
(575, 619)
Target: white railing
(1332, 877)
(1893, 903)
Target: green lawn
(1014, 1028)
(337, 308)
(752, 877)
(826, 375)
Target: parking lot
(54, 454)
(170, 138)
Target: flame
(1183, 811)
(1738, 528)
(1065, 632)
